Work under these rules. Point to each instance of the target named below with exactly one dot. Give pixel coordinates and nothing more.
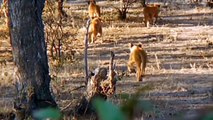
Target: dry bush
(58, 45)
(124, 7)
(4, 31)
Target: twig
(111, 68)
(67, 106)
(157, 62)
(77, 88)
(85, 52)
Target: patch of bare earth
(180, 60)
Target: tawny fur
(195, 1)
(138, 59)
(94, 10)
(150, 12)
(95, 29)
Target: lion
(138, 58)
(95, 29)
(94, 10)
(150, 12)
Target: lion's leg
(92, 38)
(130, 66)
(139, 72)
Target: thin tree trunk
(30, 57)
(85, 52)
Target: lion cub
(150, 12)
(95, 29)
(94, 10)
(138, 58)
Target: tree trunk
(99, 85)
(122, 14)
(30, 57)
(124, 6)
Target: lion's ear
(131, 45)
(93, 1)
(140, 45)
(158, 5)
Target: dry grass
(180, 58)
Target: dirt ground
(180, 58)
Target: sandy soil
(180, 59)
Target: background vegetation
(179, 50)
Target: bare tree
(30, 57)
(209, 3)
(124, 6)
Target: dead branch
(67, 106)
(100, 85)
(82, 86)
(108, 85)
(123, 10)
(85, 51)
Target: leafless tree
(124, 6)
(98, 84)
